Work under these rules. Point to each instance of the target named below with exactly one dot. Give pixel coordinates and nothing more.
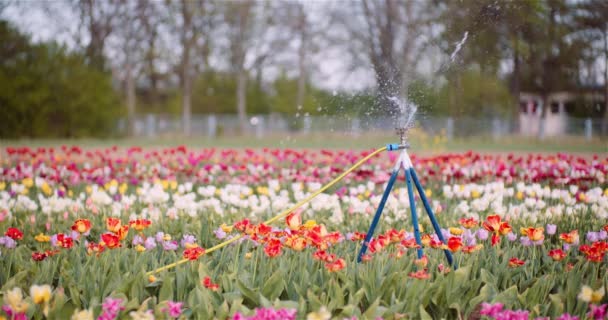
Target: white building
(556, 118)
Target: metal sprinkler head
(402, 133)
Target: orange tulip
(570, 237)
(193, 253)
(322, 255)
(468, 223)
(535, 234)
(495, 225)
(294, 220)
(113, 224)
(410, 243)
(81, 225)
(514, 262)
(335, 265)
(296, 243)
(140, 224)
(421, 274)
(110, 240)
(557, 254)
(273, 248)
(422, 262)
(122, 232)
(426, 240)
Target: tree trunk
(302, 70)
(241, 96)
(187, 38)
(605, 122)
(515, 81)
(130, 87)
(186, 98)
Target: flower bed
(81, 229)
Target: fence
(153, 125)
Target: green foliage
(285, 97)
(215, 92)
(475, 94)
(47, 91)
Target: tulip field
(94, 233)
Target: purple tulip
(170, 245)
(137, 240)
(150, 243)
(188, 239)
(512, 236)
(482, 234)
(593, 236)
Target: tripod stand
(405, 162)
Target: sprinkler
(404, 162)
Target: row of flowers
(16, 307)
(69, 167)
(468, 237)
(153, 201)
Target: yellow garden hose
(280, 215)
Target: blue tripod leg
(410, 193)
(429, 211)
(372, 227)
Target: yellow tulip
(592, 296)
(456, 231)
(123, 188)
(42, 238)
(40, 294)
(82, 315)
(310, 224)
(46, 189)
(27, 182)
(322, 314)
(226, 228)
(14, 298)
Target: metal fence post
(307, 124)
(496, 128)
(588, 129)
(356, 126)
(150, 125)
(449, 128)
(259, 127)
(212, 125)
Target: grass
(420, 142)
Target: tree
(97, 22)
(131, 42)
(592, 17)
(191, 26)
(388, 34)
(46, 91)
(252, 41)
